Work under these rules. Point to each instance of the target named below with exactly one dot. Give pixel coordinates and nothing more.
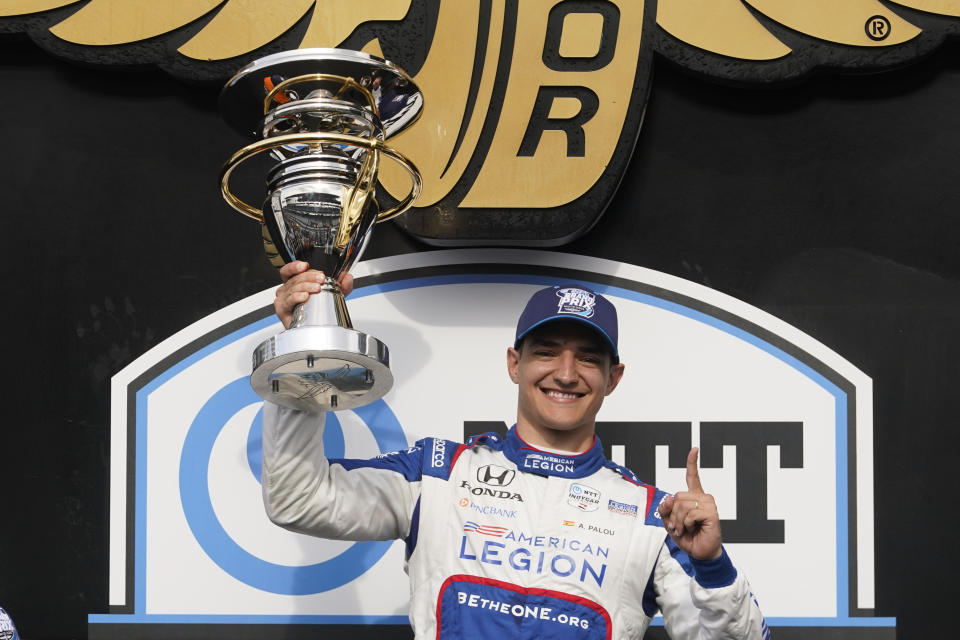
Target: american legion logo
(784, 426)
(533, 107)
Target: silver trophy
(321, 116)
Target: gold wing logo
(533, 107)
(230, 29)
(771, 40)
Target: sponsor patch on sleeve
(439, 456)
(654, 499)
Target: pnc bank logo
(532, 108)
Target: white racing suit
(505, 541)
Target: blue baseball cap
(571, 302)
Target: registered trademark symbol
(877, 27)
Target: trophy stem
(324, 308)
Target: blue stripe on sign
(140, 492)
(136, 618)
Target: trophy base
(352, 369)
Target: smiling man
(536, 535)
(564, 361)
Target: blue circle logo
(209, 532)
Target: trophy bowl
(322, 117)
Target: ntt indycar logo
(583, 497)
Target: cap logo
(576, 302)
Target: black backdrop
(831, 203)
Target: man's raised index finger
(693, 475)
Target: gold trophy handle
(371, 144)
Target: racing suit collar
(529, 459)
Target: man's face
(563, 371)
